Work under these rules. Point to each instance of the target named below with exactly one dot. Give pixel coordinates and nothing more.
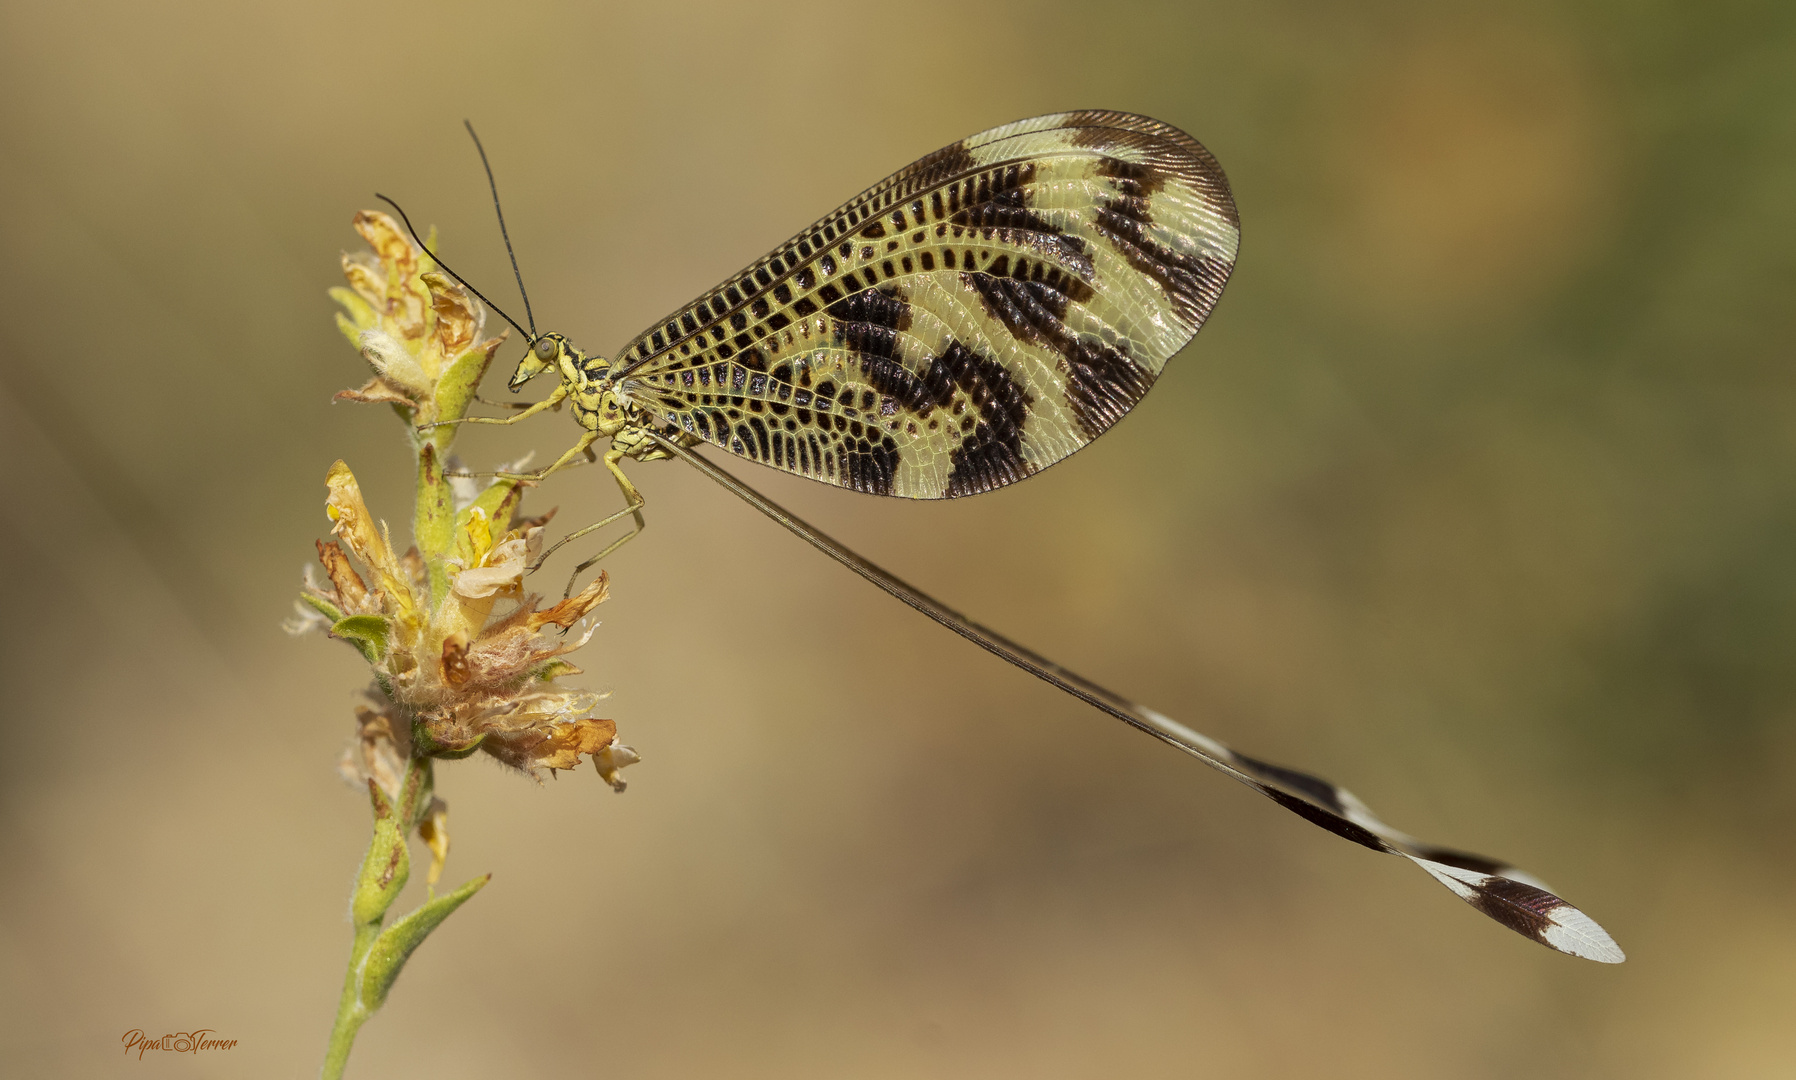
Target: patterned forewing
(965, 323)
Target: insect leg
(574, 451)
(504, 404)
(633, 502)
(546, 403)
(503, 474)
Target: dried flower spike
(462, 658)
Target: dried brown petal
(558, 745)
(498, 659)
(458, 320)
(377, 755)
(377, 391)
(353, 526)
(574, 608)
(398, 299)
(537, 522)
(352, 591)
(391, 245)
(367, 278)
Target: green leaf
(455, 389)
(367, 632)
(553, 669)
(350, 330)
(322, 606)
(396, 943)
(361, 314)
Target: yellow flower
(455, 676)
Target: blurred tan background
(1477, 495)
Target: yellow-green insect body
(586, 384)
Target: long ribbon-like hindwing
(1513, 898)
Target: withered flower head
(417, 327)
(459, 676)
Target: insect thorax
(596, 404)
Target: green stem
(433, 520)
(384, 870)
(377, 956)
(351, 1012)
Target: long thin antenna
(438, 259)
(494, 185)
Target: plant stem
(351, 1012)
(433, 520)
(383, 874)
(377, 955)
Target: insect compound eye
(545, 349)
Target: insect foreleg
(582, 447)
(505, 404)
(633, 502)
(546, 403)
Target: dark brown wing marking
(963, 324)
